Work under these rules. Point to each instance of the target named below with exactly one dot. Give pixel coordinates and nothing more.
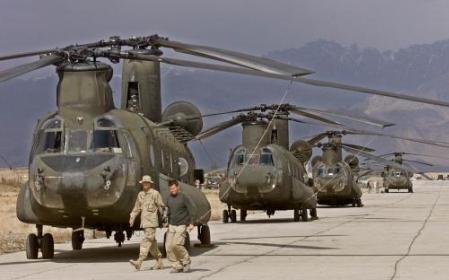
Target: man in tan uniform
(148, 202)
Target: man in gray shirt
(180, 219)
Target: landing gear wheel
(359, 202)
(77, 239)
(47, 246)
(204, 235)
(187, 242)
(313, 214)
(304, 215)
(32, 246)
(410, 190)
(296, 215)
(386, 190)
(119, 237)
(225, 216)
(233, 216)
(243, 214)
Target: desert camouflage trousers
(174, 245)
(149, 244)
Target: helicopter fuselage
(268, 178)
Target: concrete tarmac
(395, 236)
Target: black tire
(304, 215)
(205, 235)
(243, 214)
(296, 215)
(225, 216)
(77, 240)
(410, 190)
(359, 202)
(386, 190)
(233, 216)
(32, 246)
(47, 246)
(314, 214)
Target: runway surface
(395, 236)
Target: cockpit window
(105, 123)
(266, 157)
(105, 140)
(240, 157)
(77, 142)
(328, 171)
(51, 138)
(51, 142)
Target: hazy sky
(255, 26)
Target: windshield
(51, 138)
(77, 142)
(266, 157)
(105, 140)
(328, 171)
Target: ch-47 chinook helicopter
(398, 177)
(264, 172)
(335, 178)
(87, 156)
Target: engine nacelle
(316, 160)
(185, 115)
(352, 161)
(302, 150)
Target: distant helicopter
(87, 156)
(265, 172)
(399, 178)
(335, 178)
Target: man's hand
(190, 227)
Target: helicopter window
(240, 156)
(105, 141)
(51, 141)
(321, 171)
(333, 170)
(77, 141)
(53, 124)
(152, 155)
(183, 166)
(105, 123)
(266, 157)
(254, 159)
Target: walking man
(148, 203)
(180, 219)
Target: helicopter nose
(72, 185)
(255, 179)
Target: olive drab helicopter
(335, 178)
(87, 156)
(399, 177)
(265, 172)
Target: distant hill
(417, 70)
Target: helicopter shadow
(110, 254)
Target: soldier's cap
(146, 178)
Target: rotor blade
(249, 61)
(358, 147)
(317, 138)
(219, 127)
(318, 83)
(25, 68)
(418, 161)
(416, 140)
(375, 158)
(303, 113)
(24, 54)
(354, 117)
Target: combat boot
(137, 264)
(159, 264)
